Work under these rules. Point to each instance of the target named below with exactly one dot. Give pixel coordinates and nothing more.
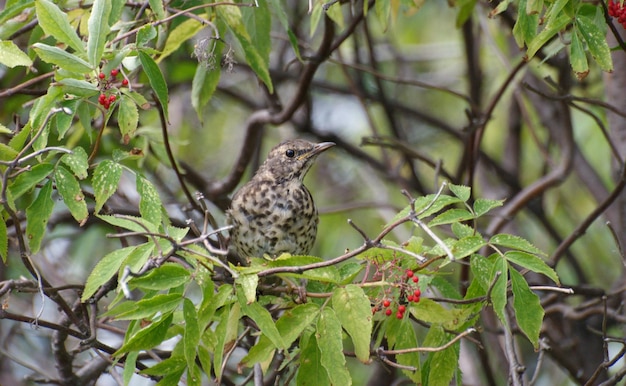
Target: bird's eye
(290, 153)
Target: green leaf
(383, 12)
(531, 262)
(462, 230)
(577, 55)
(149, 204)
(335, 14)
(106, 177)
(528, 311)
(28, 180)
(11, 55)
(331, 348)
(62, 58)
(405, 338)
(440, 366)
(233, 18)
(167, 276)
(4, 240)
(78, 87)
(324, 274)
(98, 26)
(204, 84)
(263, 319)
(596, 41)
(135, 224)
(280, 13)
(248, 283)
(191, 336)
(169, 365)
(77, 162)
(525, 28)
(499, 276)
(148, 337)
(157, 8)
(128, 118)
(69, 188)
(226, 332)
(65, 121)
(179, 35)
(145, 34)
(157, 82)
(515, 242)
(38, 214)
(354, 311)
(290, 326)
(54, 22)
(145, 308)
(482, 205)
(462, 192)
(467, 246)
(104, 270)
(451, 216)
(552, 28)
(258, 23)
(309, 370)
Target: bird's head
(291, 159)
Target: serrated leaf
(106, 177)
(440, 366)
(467, 246)
(69, 188)
(63, 59)
(290, 326)
(528, 311)
(54, 22)
(249, 283)
(148, 337)
(233, 19)
(64, 121)
(525, 28)
(98, 26)
(354, 311)
(499, 276)
(38, 215)
(179, 35)
(462, 230)
(157, 8)
(146, 308)
(162, 278)
(128, 118)
(167, 366)
(531, 262)
(28, 180)
(515, 242)
(483, 205)
(191, 336)
(149, 204)
(577, 56)
(596, 41)
(451, 216)
(324, 274)
(156, 79)
(77, 162)
(552, 28)
(106, 268)
(405, 338)
(11, 55)
(263, 319)
(330, 346)
(309, 370)
(462, 192)
(78, 87)
(132, 223)
(226, 332)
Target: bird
(274, 213)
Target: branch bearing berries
(618, 11)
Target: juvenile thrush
(274, 213)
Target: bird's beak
(320, 147)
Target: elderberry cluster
(396, 301)
(105, 84)
(618, 11)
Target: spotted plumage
(274, 213)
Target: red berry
(401, 308)
(106, 104)
(417, 293)
(388, 311)
(416, 279)
(124, 82)
(409, 298)
(416, 299)
(101, 75)
(386, 303)
(112, 98)
(409, 273)
(399, 315)
(102, 98)
(114, 72)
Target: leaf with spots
(150, 203)
(105, 179)
(69, 188)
